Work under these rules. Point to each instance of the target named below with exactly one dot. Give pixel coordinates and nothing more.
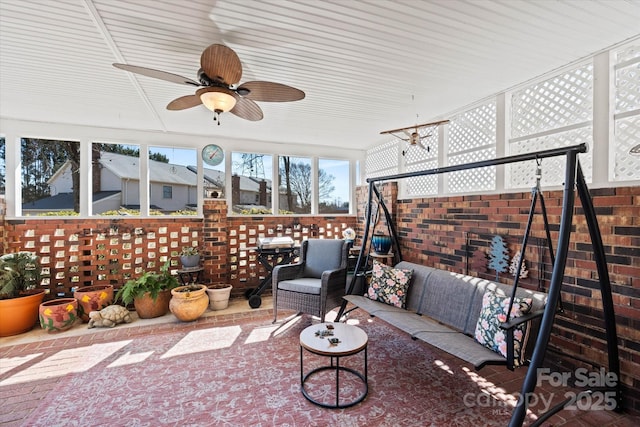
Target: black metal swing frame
(574, 180)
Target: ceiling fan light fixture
(217, 99)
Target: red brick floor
(17, 401)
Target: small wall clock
(212, 154)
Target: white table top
(352, 339)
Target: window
(295, 189)
(115, 171)
(51, 181)
(251, 183)
(173, 180)
(167, 192)
(333, 186)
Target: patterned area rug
(248, 374)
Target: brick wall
(245, 270)
(83, 252)
(446, 232)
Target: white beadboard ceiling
(366, 66)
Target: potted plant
(149, 293)
(19, 296)
(190, 257)
(219, 296)
(189, 302)
(58, 314)
(92, 298)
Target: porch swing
(574, 180)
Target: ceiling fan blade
(247, 109)
(184, 102)
(157, 74)
(222, 64)
(271, 92)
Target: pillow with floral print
(493, 313)
(389, 285)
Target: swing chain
(538, 175)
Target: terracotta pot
(147, 308)
(93, 298)
(188, 305)
(18, 315)
(58, 314)
(219, 296)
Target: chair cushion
(306, 285)
(389, 285)
(322, 255)
(494, 311)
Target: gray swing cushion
(443, 310)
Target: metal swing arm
(573, 179)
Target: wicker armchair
(314, 284)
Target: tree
(479, 261)
(41, 158)
(524, 273)
(297, 183)
(498, 256)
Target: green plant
(19, 271)
(189, 251)
(151, 282)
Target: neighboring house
(117, 185)
(173, 187)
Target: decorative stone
(109, 316)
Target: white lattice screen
(554, 113)
(472, 137)
(419, 159)
(627, 113)
(382, 160)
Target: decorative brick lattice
(383, 159)
(76, 253)
(564, 100)
(246, 272)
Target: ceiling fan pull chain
(216, 117)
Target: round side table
(348, 340)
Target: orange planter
(147, 308)
(93, 298)
(189, 302)
(58, 314)
(18, 315)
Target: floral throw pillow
(389, 285)
(493, 313)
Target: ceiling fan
(411, 134)
(218, 77)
